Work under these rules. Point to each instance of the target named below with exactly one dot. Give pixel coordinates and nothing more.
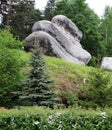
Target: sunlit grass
(45, 111)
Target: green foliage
(106, 30)
(49, 9)
(100, 88)
(69, 77)
(20, 17)
(45, 119)
(7, 40)
(72, 99)
(39, 89)
(24, 18)
(10, 76)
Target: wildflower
(36, 122)
(50, 117)
(57, 114)
(75, 125)
(103, 114)
(60, 126)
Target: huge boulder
(59, 37)
(107, 63)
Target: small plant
(100, 88)
(72, 99)
(7, 40)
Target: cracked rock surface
(59, 37)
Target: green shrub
(72, 99)
(10, 76)
(10, 63)
(45, 119)
(100, 91)
(7, 40)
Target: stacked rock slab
(59, 37)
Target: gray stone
(68, 25)
(107, 63)
(50, 47)
(61, 38)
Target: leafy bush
(72, 99)
(7, 40)
(10, 63)
(10, 76)
(45, 119)
(100, 91)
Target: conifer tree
(49, 9)
(39, 86)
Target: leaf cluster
(100, 88)
(10, 76)
(72, 119)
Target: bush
(10, 63)
(7, 40)
(45, 119)
(100, 91)
(10, 76)
(72, 99)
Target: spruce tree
(39, 89)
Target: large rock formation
(59, 37)
(107, 63)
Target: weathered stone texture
(59, 37)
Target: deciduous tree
(10, 63)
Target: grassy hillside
(72, 80)
(68, 77)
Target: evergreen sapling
(39, 86)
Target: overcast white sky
(97, 5)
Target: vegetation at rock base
(69, 79)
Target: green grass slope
(67, 73)
(68, 77)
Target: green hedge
(45, 119)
